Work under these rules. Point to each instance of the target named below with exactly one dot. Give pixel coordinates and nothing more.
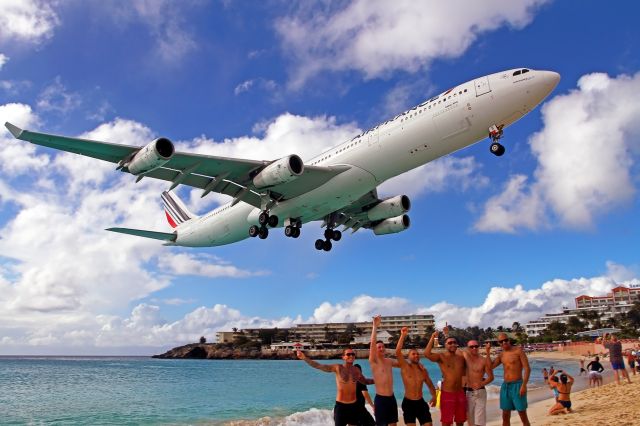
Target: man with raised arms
(413, 376)
(346, 411)
(453, 402)
(386, 407)
(478, 375)
(513, 392)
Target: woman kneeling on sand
(563, 403)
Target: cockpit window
(517, 73)
(525, 70)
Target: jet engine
(280, 171)
(152, 156)
(391, 207)
(392, 225)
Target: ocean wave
(312, 417)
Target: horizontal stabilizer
(164, 236)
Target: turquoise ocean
(147, 391)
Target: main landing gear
(262, 231)
(293, 229)
(495, 133)
(329, 234)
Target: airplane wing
(230, 176)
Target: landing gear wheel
(496, 149)
(296, 232)
(289, 231)
(326, 245)
(273, 221)
(337, 235)
(264, 233)
(328, 234)
(319, 244)
(263, 218)
(254, 231)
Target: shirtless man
(513, 392)
(345, 412)
(478, 374)
(413, 376)
(453, 402)
(386, 407)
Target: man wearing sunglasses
(346, 410)
(453, 401)
(478, 375)
(414, 376)
(513, 392)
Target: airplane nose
(551, 79)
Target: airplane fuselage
(437, 127)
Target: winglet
(15, 130)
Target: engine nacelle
(390, 207)
(392, 225)
(280, 171)
(152, 156)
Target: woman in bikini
(563, 403)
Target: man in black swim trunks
(346, 411)
(385, 401)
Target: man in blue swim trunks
(615, 356)
(513, 392)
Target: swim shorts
(477, 406)
(453, 407)
(617, 365)
(510, 398)
(416, 409)
(386, 410)
(346, 414)
(595, 375)
(565, 404)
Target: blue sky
(492, 240)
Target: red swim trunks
(453, 407)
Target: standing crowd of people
(463, 396)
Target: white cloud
(202, 265)
(247, 85)
(3, 60)
(27, 20)
(56, 97)
(17, 157)
(585, 155)
(377, 37)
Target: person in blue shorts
(615, 356)
(513, 392)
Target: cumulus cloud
(202, 265)
(27, 20)
(17, 157)
(585, 155)
(377, 37)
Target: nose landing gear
(264, 220)
(496, 133)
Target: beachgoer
(478, 374)
(615, 356)
(414, 375)
(553, 381)
(563, 403)
(453, 401)
(386, 407)
(545, 376)
(363, 398)
(631, 359)
(345, 411)
(513, 392)
(582, 370)
(595, 372)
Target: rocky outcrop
(215, 351)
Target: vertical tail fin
(175, 210)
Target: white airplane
(338, 186)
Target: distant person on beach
(582, 369)
(453, 401)
(414, 375)
(386, 407)
(631, 359)
(513, 392)
(595, 372)
(615, 356)
(345, 411)
(545, 376)
(563, 403)
(478, 374)
(363, 398)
